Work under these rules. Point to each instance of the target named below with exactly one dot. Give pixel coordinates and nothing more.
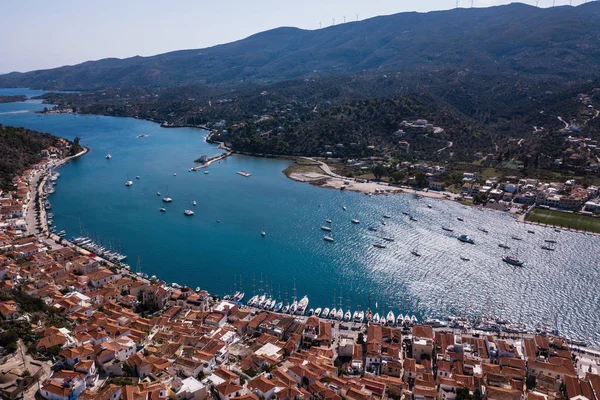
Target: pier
(211, 160)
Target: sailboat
(167, 199)
(129, 181)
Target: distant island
(12, 99)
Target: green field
(565, 220)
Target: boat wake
(15, 112)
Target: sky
(39, 34)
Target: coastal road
(564, 122)
(326, 169)
(30, 211)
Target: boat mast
(294, 289)
(333, 298)
(139, 267)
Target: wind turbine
(537, 3)
(333, 21)
(344, 19)
(472, 1)
(357, 17)
(457, 3)
(320, 25)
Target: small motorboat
(162, 209)
(263, 233)
(355, 221)
(137, 177)
(465, 258)
(194, 202)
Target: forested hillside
(559, 42)
(19, 149)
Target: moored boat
(466, 239)
(390, 319)
(512, 261)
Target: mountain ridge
(562, 42)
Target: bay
(560, 286)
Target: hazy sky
(37, 34)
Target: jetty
(208, 161)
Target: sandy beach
(321, 175)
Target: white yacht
(137, 177)
(158, 193)
(189, 213)
(263, 233)
(174, 174)
(355, 221)
(129, 183)
(347, 316)
(328, 238)
(194, 202)
(302, 305)
(162, 209)
(399, 319)
(376, 318)
(252, 300)
(108, 156)
(390, 318)
(328, 220)
(205, 172)
(326, 228)
(318, 312)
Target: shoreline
(62, 242)
(52, 240)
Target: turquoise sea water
(198, 251)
